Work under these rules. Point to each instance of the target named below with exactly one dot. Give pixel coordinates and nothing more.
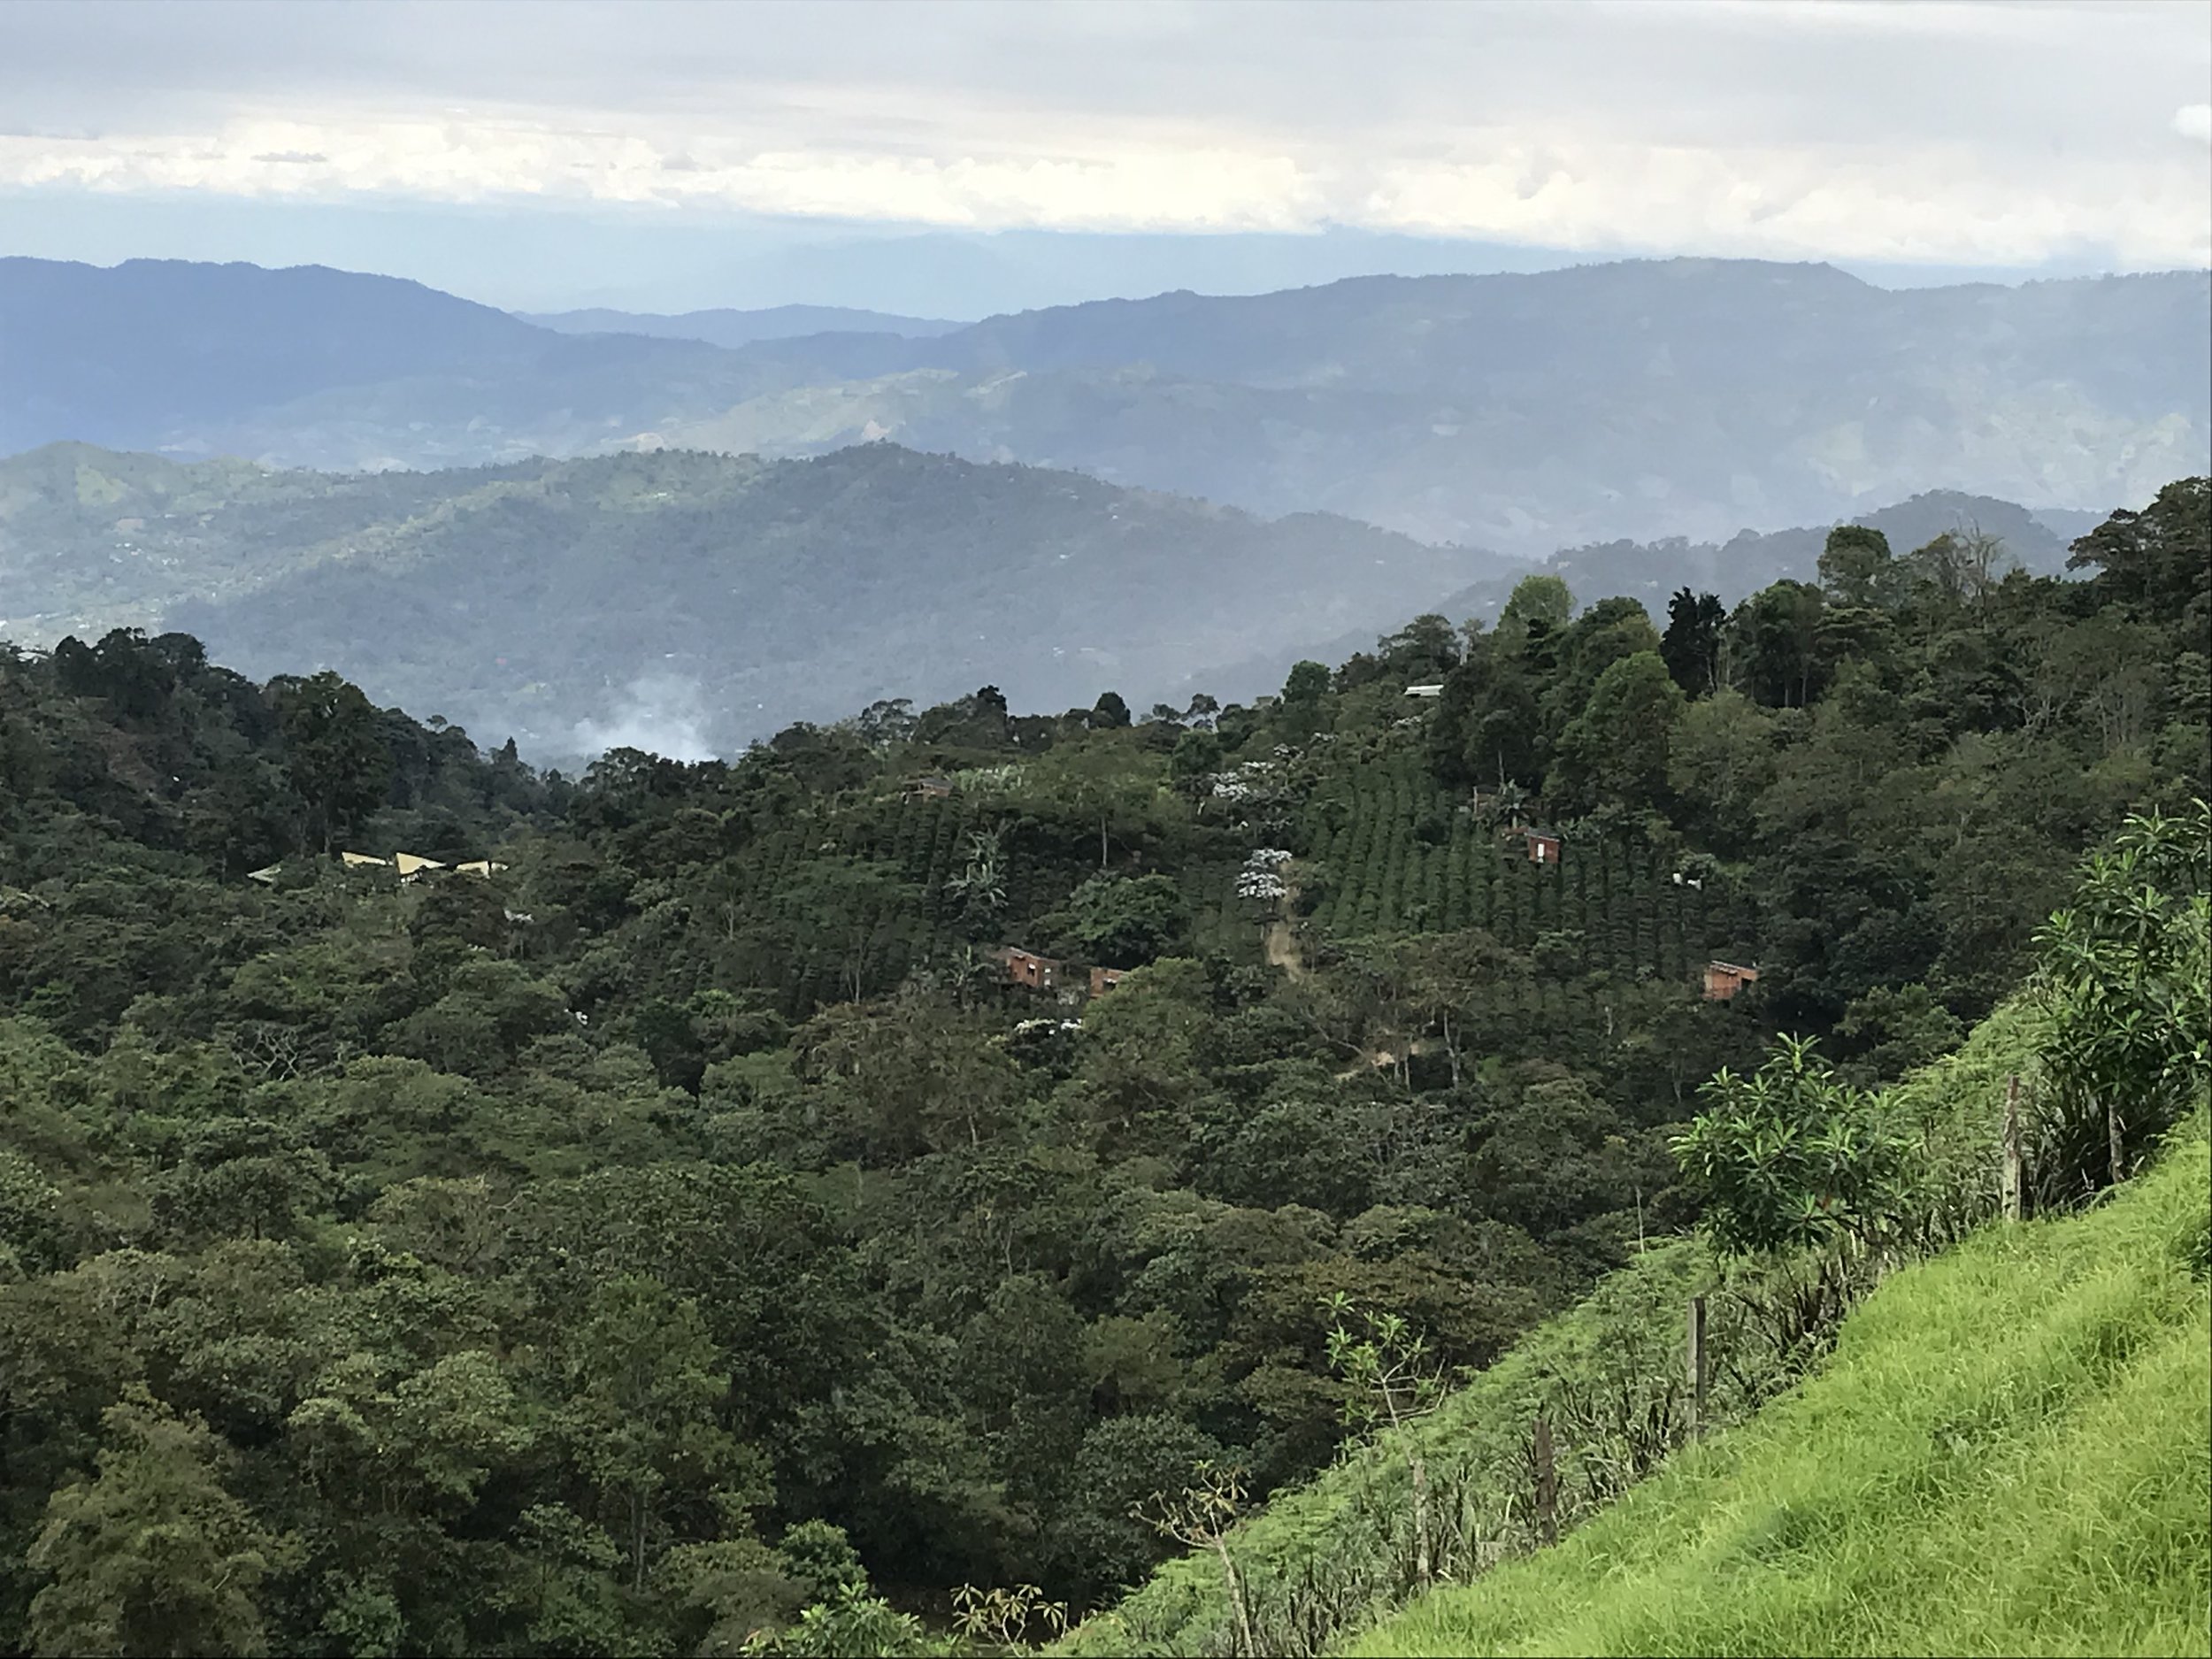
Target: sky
(952, 157)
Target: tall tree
(334, 752)
(644, 1382)
(2159, 559)
(1776, 639)
(1691, 645)
(1540, 598)
(1615, 752)
(1856, 567)
(151, 1556)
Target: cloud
(1975, 133)
(660, 714)
(2194, 120)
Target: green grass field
(2011, 1452)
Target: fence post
(1546, 1484)
(2112, 1135)
(1697, 1367)
(2015, 1199)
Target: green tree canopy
(151, 1556)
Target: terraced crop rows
(1402, 857)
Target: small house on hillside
(1723, 979)
(1425, 691)
(932, 788)
(1027, 969)
(1543, 846)
(1104, 979)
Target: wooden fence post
(2112, 1134)
(1546, 1484)
(2015, 1198)
(1697, 1367)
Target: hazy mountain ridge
(1683, 397)
(725, 327)
(707, 598)
(1689, 396)
(92, 539)
(309, 366)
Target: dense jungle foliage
(678, 1234)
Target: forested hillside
(660, 1223)
(687, 602)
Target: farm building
(1723, 979)
(1026, 968)
(929, 789)
(1104, 979)
(1543, 846)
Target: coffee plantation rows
(1392, 853)
(772, 900)
(1385, 852)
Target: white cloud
(1941, 133)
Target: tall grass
(2011, 1452)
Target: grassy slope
(2010, 1452)
(1332, 1557)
